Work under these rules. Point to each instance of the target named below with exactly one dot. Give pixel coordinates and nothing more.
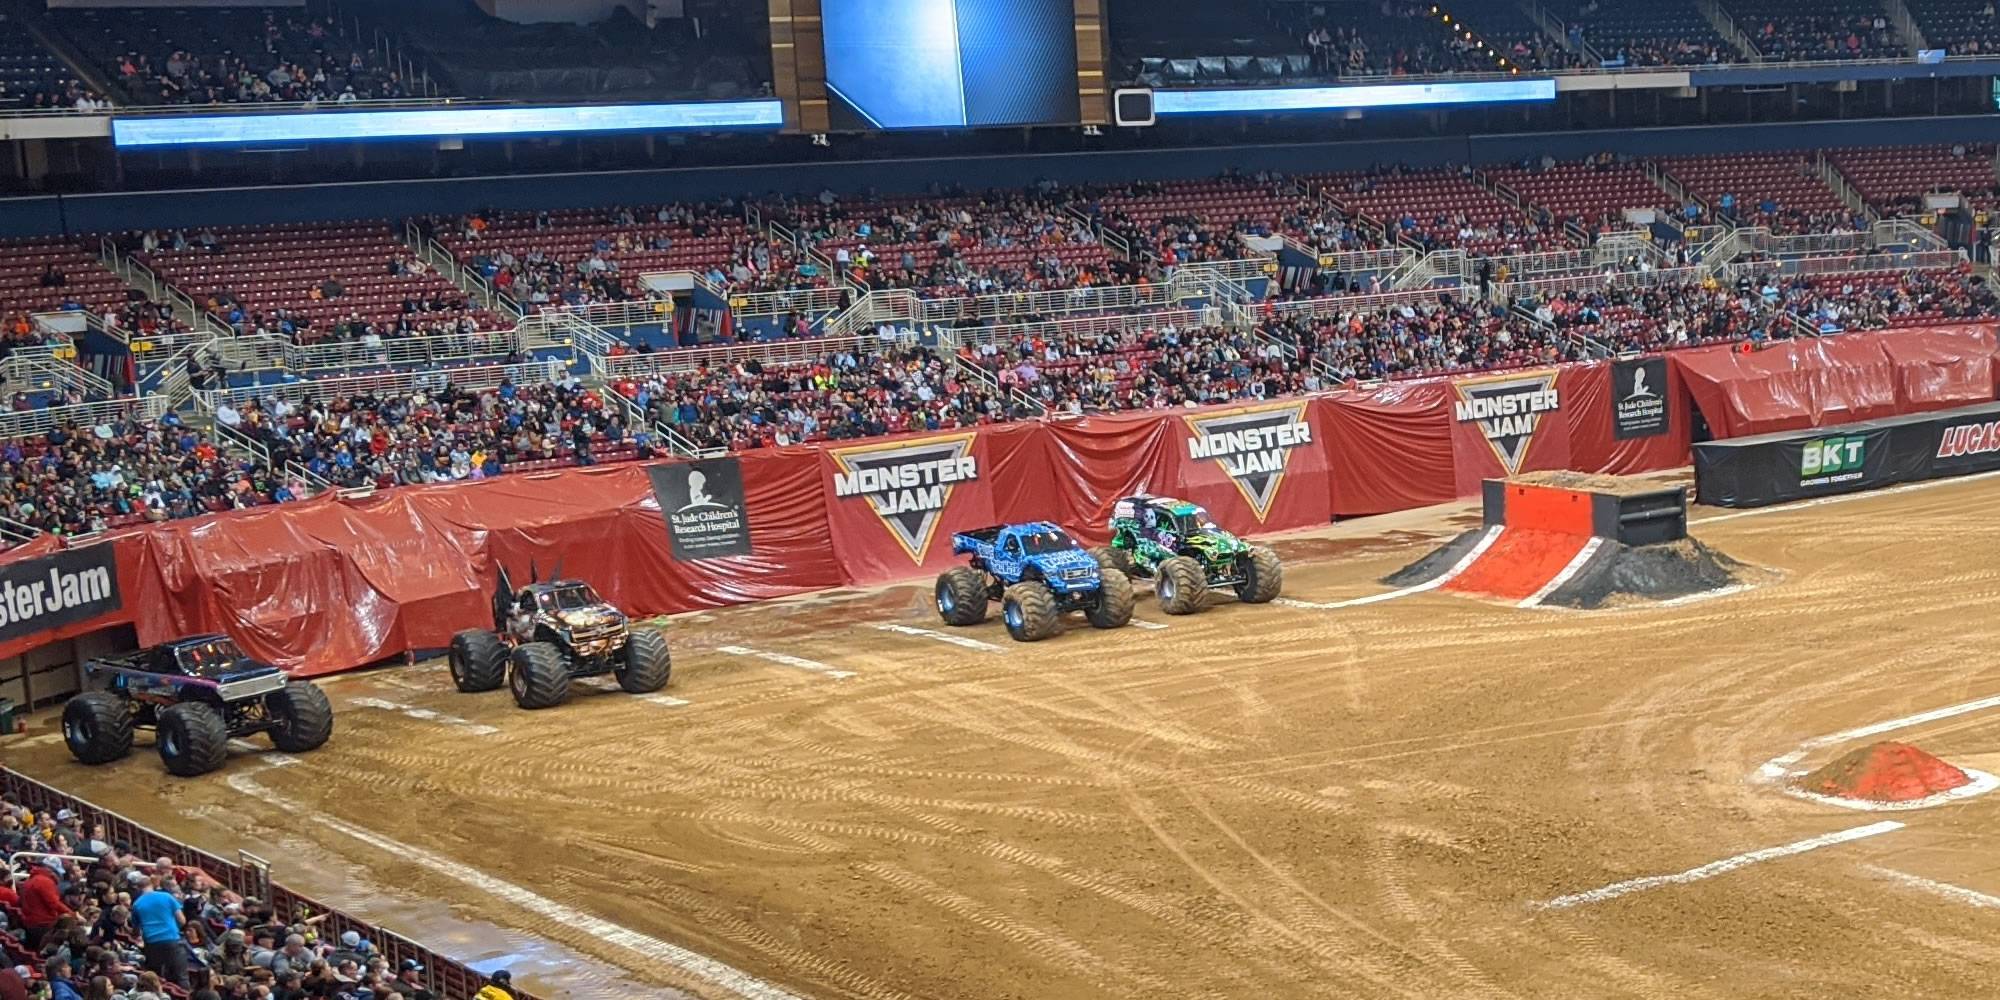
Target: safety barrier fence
(250, 876)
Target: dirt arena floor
(1256, 802)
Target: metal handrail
(469, 377)
(24, 423)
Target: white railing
(1905, 231)
(1100, 298)
(1923, 260)
(808, 301)
(974, 337)
(22, 423)
(1245, 269)
(774, 353)
(628, 313)
(1357, 261)
(1543, 288)
(470, 377)
(232, 439)
(29, 369)
(1343, 304)
(437, 348)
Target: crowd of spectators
(1647, 33)
(288, 58)
(33, 79)
(1167, 367)
(121, 926)
(1802, 35)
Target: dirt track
(1255, 802)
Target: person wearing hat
(499, 986)
(41, 902)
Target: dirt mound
(1885, 772)
(1441, 559)
(1589, 482)
(1647, 572)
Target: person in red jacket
(41, 902)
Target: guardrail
(778, 303)
(250, 876)
(437, 348)
(770, 352)
(973, 337)
(22, 423)
(469, 377)
(1242, 269)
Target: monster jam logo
(1252, 446)
(1507, 411)
(907, 484)
(57, 590)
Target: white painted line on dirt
(1568, 572)
(1479, 549)
(1780, 767)
(270, 757)
(1149, 626)
(645, 946)
(1704, 595)
(425, 714)
(1722, 867)
(956, 640)
(1959, 893)
(1981, 784)
(1844, 497)
(787, 660)
(611, 684)
(665, 700)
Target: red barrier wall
(332, 584)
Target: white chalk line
(956, 640)
(611, 684)
(268, 756)
(1980, 784)
(1722, 867)
(1959, 893)
(1844, 497)
(1149, 626)
(425, 714)
(645, 946)
(786, 659)
(1464, 563)
(1566, 574)
(1705, 595)
(1783, 765)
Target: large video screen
(952, 63)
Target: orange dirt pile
(1885, 772)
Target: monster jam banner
(893, 505)
(702, 505)
(1506, 425)
(58, 589)
(1639, 398)
(1256, 467)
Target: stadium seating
(1396, 37)
(1894, 180)
(1961, 27)
(1186, 42)
(1515, 37)
(1645, 32)
(275, 279)
(41, 275)
(197, 55)
(1799, 201)
(1437, 208)
(1803, 30)
(1590, 194)
(31, 77)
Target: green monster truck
(1185, 553)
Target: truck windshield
(1042, 542)
(570, 598)
(209, 658)
(1193, 522)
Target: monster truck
(545, 634)
(1036, 572)
(1185, 553)
(196, 694)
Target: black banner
(1639, 398)
(59, 589)
(1794, 465)
(702, 504)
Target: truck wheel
(1110, 558)
(193, 738)
(538, 675)
(1181, 585)
(1030, 611)
(478, 660)
(304, 717)
(1114, 602)
(1262, 576)
(961, 596)
(647, 662)
(97, 725)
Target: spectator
(160, 921)
(41, 901)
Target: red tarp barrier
(331, 584)
(1823, 381)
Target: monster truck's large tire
(303, 715)
(1114, 602)
(961, 596)
(647, 662)
(1262, 575)
(193, 737)
(478, 661)
(537, 675)
(1030, 611)
(1181, 586)
(1111, 558)
(97, 725)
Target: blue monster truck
(1037, 572)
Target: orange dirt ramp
(1885, 772)
(1519, 564)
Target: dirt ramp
(1885, 772)
(1618, 573)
